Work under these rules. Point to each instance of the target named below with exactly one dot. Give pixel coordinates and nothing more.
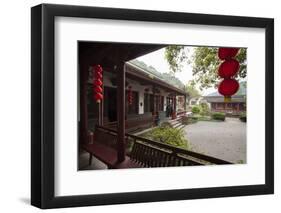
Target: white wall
(140, 89)
(15, 106)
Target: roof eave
(155, 79)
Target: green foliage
(191, 90)
(205, 63)
(240, 162)
(189, 120)
(243, 117)
(204, 118)
(218, 116)
(204, 109)
(166, 124)
(169, 135)
(195, 109)
(175, 55)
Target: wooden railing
(179, 113)
(150, 153)
(133, 124)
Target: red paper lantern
(228, 68)
(97, 82)
(227, 53)
(97, 68)
(130, 96)
(98, 97)
(228, 87)
(98, 75)
(98, 89)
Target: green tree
(191, 89)
(204, 62)
(175, 55)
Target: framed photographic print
(139, 106)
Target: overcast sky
(158, 61)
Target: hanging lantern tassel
(98, 97)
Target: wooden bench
(103, 148)
(155, 154)
(133, 123)
(151, 156)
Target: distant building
(196, 101)
(234, 107)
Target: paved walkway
(224, 140)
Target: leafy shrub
(243, 117)
(240, 162)
(189, 120)
(204, 109)
(193, 119)
(218, 116)
(169, 135)
(204, 118)
(196, 110)
(129, 145)
(166, 124)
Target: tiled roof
(166, 77)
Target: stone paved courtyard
(224, 140)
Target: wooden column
(154, 101)
(121, 73)
(100, 114)
(102, 104)
(175, 104)
(185, 102)
(84, 74)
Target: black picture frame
(43, 117)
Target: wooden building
(150, 95)
(236, 106)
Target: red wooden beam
(175, 102)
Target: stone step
(177, 125)
(174, 121)
(181, 126)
